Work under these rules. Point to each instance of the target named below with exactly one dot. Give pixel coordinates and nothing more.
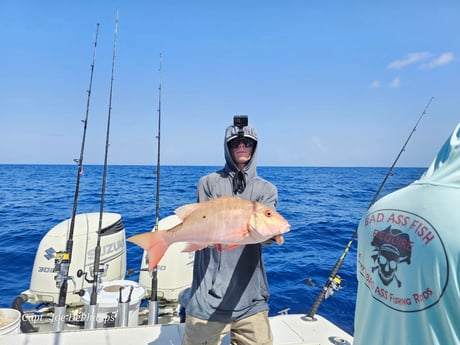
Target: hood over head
(445, 168)
(234, 132)
(240, 177)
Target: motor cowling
(174, 271)
(43, 285)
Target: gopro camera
(240, 121)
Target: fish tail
(154, 243)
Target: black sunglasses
(246, 141)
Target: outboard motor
(113, 256)
(174, 271)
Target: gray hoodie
(231, 285)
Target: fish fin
(246, 231)
(279, 239)
(175, 228)
(191, 247)
(184, 211)
(221, 248)
(154, 243)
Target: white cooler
(107, 300)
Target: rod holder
(153, 313)
(123, 314)
(59, 319)
(91, 317)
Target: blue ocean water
(322, 204)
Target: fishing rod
(333, 282)
(63, 258)
(153, 303)
(90, 321)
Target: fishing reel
(333, 284)
(61, 267)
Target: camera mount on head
(240, 121)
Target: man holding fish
(229, 290)
(235, 213)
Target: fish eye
(268, 213)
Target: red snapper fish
(226, 220)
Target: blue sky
(326, 83)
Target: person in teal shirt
(409, 260)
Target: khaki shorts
(253, 330)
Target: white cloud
(441, 60)
(395, 83)
(410, 59)
(375, 84)
(414, 58)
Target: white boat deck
(287, 330)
